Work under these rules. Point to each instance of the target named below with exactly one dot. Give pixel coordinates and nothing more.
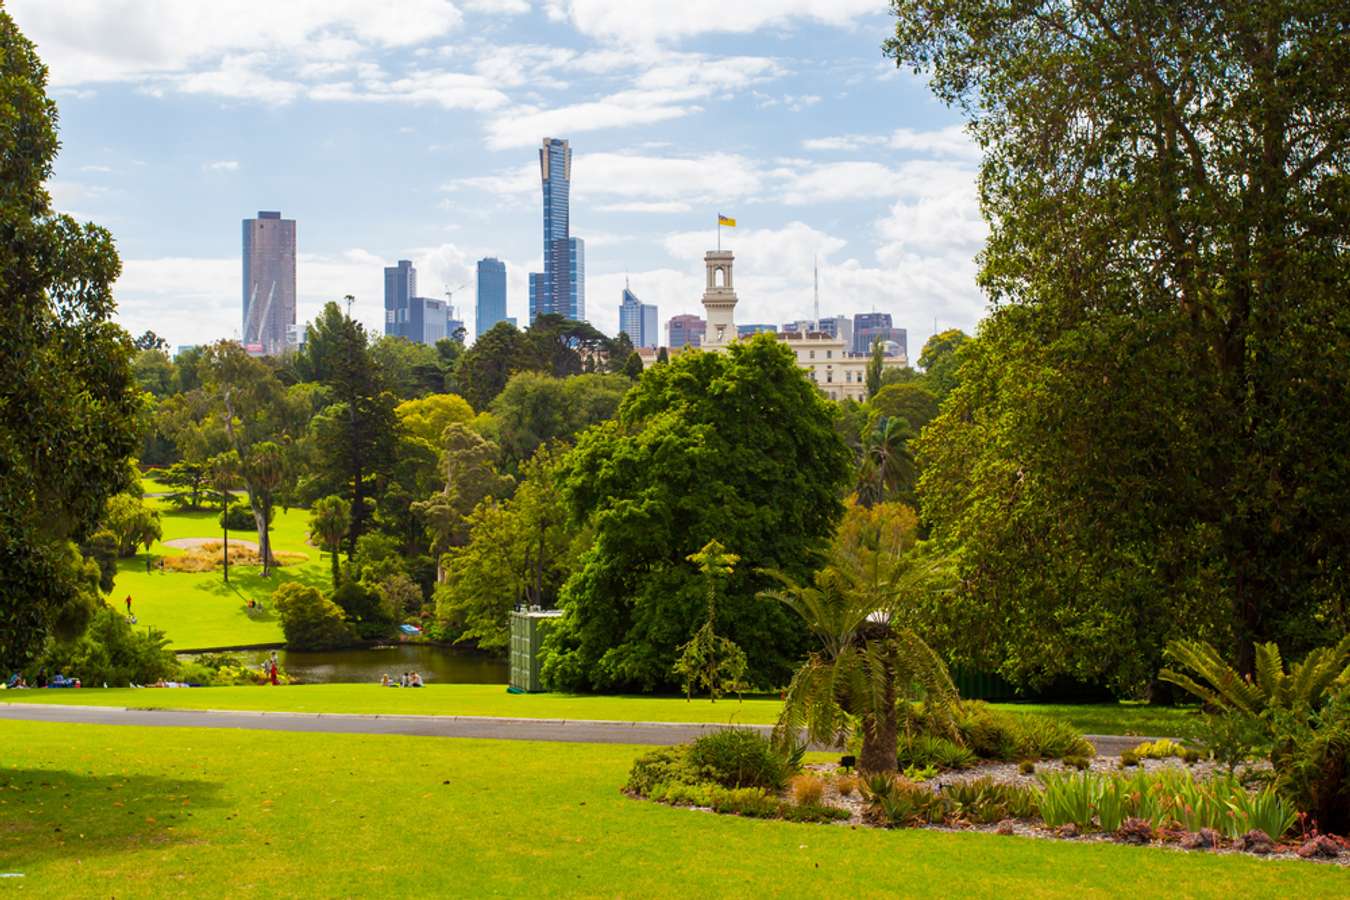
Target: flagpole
(719, 233)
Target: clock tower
(719, 299)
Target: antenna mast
(815, 275)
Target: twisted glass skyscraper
(561, 287)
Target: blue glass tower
(638, 320)
(491, 307)
(560, 288)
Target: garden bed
(1192, 806)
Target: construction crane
(450, 296)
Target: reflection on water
(445, 665)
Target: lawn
(139, 812)
(493, 700)
(200, 610)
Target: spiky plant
(1303, 686)
(867, 659)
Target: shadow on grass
(51, 814)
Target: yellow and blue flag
(726, 220)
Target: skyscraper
(400, 287)
(638, 320)
(561, 287)
(685, 331)
(422, 320)
(869, 327)
(491, 307)
(269, 284)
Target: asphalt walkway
(584, 731)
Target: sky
(409, 129)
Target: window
(813, 354)
(829, 377)
(829, 354)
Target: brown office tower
(269, 285)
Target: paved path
(585, 731)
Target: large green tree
(68, 403)
(354, 438)
(737, 446)
(483, 370)
(535, 409)
(1150, 439)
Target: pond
(437, 664)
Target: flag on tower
(726, 220)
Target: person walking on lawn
(128, 604)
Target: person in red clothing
(128, 604)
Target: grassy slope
(200, 610)
(93, 811)
(492, 700)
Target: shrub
(1027, 767)
(995, 734)
(363, 608)
(735, 757)
(1069, 798)
(896, 802)
(1081, 763)
(309, 620)
(748, 801)
(110, 651)
(846, 785)
(1312, 762)
(669, 765)
(928, 750)
(239, 517)
(1128, 759)
(1163, 748)
(807, 790)
(819, 813)
(986, 801)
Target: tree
(250, 406)
(535, 409)
(940, 360)
(518, 553)
(310, 620)
(329, 520)
(129, 519)
(662, 356)
(192, 477)
(151, 531)
(633, 368)
(708, 660)
(101, 547)
(469, 463)
(1150, 442)
(224, 471)
(67, 374)
(738, 446)
(355, 437)
(858, 606)
(499, 353)
(151, 342)
(154, 372)
(264, 470)
(407, 368)
(909, 401)
(875, 365)
(887, 470)
(426, 418)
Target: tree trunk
(333, 549)
(880, 743)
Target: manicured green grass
(139, 812)
(493, 700)
(199, 610)
(1117, 718)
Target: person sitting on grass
(415, 680)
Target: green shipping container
(528, 628)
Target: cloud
(117, 40)
(660, 206)
(625, 20)
(223, 165)
(639, 178)
(523, 126)
(951, 142)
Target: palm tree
(224, 475)
(867, 660)
(150, 531)
(329, 520)
(887, 467)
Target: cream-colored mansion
(838, 372)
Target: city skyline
(769, 116)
